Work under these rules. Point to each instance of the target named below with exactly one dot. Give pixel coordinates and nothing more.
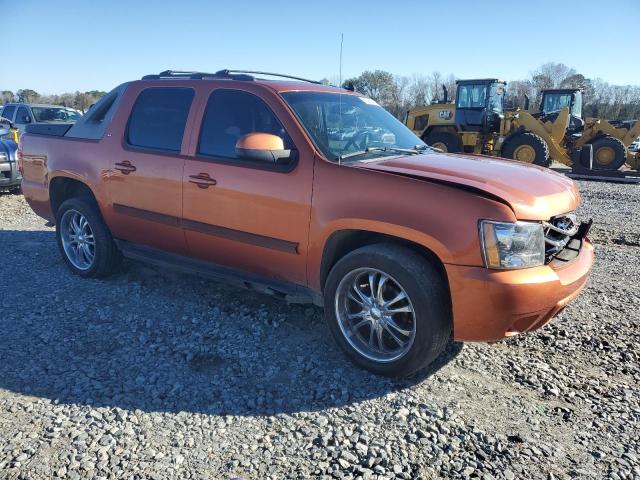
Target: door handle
(125, 167)
(202, 180)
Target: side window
(421, 122)
(158, 118)
(23, 116)
(229, 115)
(7, 112)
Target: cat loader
(477, 123)
(610, 140)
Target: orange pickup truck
(313, 194)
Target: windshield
(54, 114)
(344, 124)
(472, 96)
(556, 101)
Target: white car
(635, 146)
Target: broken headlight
(512, 245)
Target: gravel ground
(156, 375)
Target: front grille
(558, 232)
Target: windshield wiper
(411, 151)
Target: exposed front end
(492, 303)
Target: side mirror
(27, 119)
(6, 121)
(262, 147)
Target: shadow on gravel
(160, 341)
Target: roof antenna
(340, 94)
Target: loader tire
(446, 141)
(527, 147)
(609, 153)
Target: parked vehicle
(23, 114)
(635, 145)
(10, 176)
(313, 194)
(477, 123)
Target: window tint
(7, 112)
(159, 117)
(229, 115)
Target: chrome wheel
(77, 239)
(375, 315)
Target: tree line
(79, 100)
(398, 93)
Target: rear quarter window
(159, 117)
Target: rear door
(250, 216)
(144, 178)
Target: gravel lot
(157, 375)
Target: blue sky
(58, 46)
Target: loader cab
(555, 100)
(480, 104)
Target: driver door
(249, 216)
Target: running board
(289, 292)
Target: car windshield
(341, 125)
(54, 114)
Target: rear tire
(445, 141)
(609, 153)
(84, 240)
(421, 321)
(527, 147)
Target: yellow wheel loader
(477, 123)
(610, 140)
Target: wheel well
(63, 188)
(343, 242)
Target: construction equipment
(477, 123)
(610, 140)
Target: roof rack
(229, 74)
(271, 74)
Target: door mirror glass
(262, 147)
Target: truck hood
(534, 193)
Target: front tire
(527, 147)
(609, 153)
(446, 141)
(388, 309)
(84, 240)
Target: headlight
(3, 156)
(512, 245)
